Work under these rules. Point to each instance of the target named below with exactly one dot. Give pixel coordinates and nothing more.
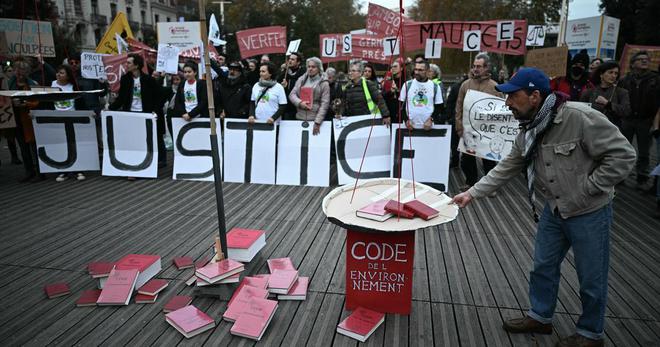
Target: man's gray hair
(316, 61)
(359, 66)
(485, 57)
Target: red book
(421, 209)
(153, 287)
(252, 323)
(235, 278)
(145, 299)
(281, 264)
(202, 262)
(244, 244)
(281, 281)
(57, 289)
(361, 324)
(242, 301)
(100, 269)
(398, 209)
(298, 291)
(190, 321)
(257, 281)
(307, 94)
(183, 262)
(88, 298)
(118, 288)
(176, 303)
(375, 211)
(148, 265)
(214, 272)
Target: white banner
(185, 35)
(91, 65)
(249, 152)
(489, 126)
(425, 151)
(351, 135)
(66, 141)
(303, 158)
(129, 144)
(192, 149)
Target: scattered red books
(100, 269)
(183, 262)
(257, 281)
(88, 298)
(281, 281)
(421, 209)
(252, 323)
(176, 303)
(235, 278)
(361, 324)
(398, 209)
(242, 300)
(119, 287)
(215, 272)
(298, 291)
(307, 94)
(148, 265)
(190, 321)
(153, 287)
(244, 244)
(57, 289)
(375, 211)
(145, 299)
(281, 264)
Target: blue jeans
(589, 235)
(657, 153)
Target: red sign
(325, 51)
(451, 34)
(263, 40)
(115, 67)
(193, 53)
(382, 21)
(369, 48)
(379, 271)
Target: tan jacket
(484, 84)
(320, 100)
(582, 157)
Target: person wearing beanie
(313, 80)
(576, 80)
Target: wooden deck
(469, 275)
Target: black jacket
(644, 93)
(91, 101)
(149, 91)
(202, 107)
(234, 97)
(354, 102)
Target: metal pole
(563, 21)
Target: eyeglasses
(353, 70)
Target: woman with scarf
(268, 99)
(606, 97)
(311, 94)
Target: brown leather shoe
(578, 340)
(527, 325)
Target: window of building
(168, 19)
(156, 18)
(95, 7)
(113, 10)
(129, 13)
(77, 6)
(143, 17)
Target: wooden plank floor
(469, 275)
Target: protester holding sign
(288, 79)
(316, 106)
(576, 80)
(191, 100)
(268, 99)
(90, 101)
(422, 99)
(606, 97)
(234, 100)
(362, 97)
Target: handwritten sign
(115, 67)
(262, 40)
(369, 48)
(330, 53)
(168, 58)
(91, 65)
(382, 21)
(551, 60)
(7, 119)
(535, 36)
(27, 37)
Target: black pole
(219, 196)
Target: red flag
(263, 40)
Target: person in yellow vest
(362, 97)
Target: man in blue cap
(576, 157)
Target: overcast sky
(576, 9)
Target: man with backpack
(421, 98)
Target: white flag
(121, 44)
(214, 32)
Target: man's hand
(601, 100)
(284, 83)
(251, 119)
(317, 129)
(462, 199)
(270, 120)
(186, 117)
(428, 124)
(387, 121)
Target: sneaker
(62, 178)
(80, 176)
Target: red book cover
(57, 289)
(252, 323)
(145, 299)
(281, 281)
(297, 291)
(280, 263)
(183, 262)
(137, 261)
(118, 288)
(398, 209)
(242, 301)
(190, 320)
(153, 287)
(177, 302)
(421, 209)
(216, 271)
(242, 238)
(88, 298)
(202, 262)
(307, 94)
(375, 211)
(257, 281)
(100, 269)
(361, 323)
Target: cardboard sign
(451, 34)
(535, 36)
(472, 41)
(369, 48)
(7, 119)
(382, 21)
(66, 141)
(303, 159)
(129, 144)
(168, 58)
(262, 40)
(433, 49)
(192, 149)
(27, 37)
(490, 128)
(91, 65)
(249, 152)
(379, 271)
(331, 54)
(630, 50)
(551, 60)
(184, 35)
(351, 135)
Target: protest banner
(250, 148)
(391, 46)
(551, 60)
(535, 36)
(168, 58)
(192, 149)
(337, 52)
(451, 33)
(91, 65)
(184, 35)
(382, 21)
(27, 37)
(629, 50)
(598, 35)
(427, 151)
(115, 67)
(351, 136)
(303, 159)
(197, 51)
(264, 40)
(66, 141)
(433, 49)
(369, 48)
(108, 44)
(489, 126)
(7, 119)
(472, 41)
(129, 144)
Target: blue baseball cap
(526, 78)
